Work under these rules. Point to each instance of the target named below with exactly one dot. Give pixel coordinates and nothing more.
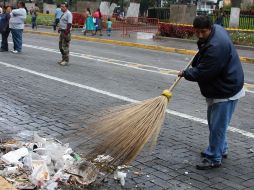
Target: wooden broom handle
(179, 78)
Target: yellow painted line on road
(132, 44)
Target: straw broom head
(124, 133)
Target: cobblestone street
(36, 94)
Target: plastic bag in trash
(40, 172)
(84, 172)
(13, 157)
(120, 176)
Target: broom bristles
(124, 133)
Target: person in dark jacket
(5, 30)
(218, 71)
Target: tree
(234, 14)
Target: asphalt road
(37, 94)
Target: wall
(183, 14)
(106, 8)
(49, 7)
(133, 10)
(82, 5)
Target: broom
(123, 133)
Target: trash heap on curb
(42, 163)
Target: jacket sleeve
(209, 66)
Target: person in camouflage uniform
(65, 34)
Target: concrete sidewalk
(140, 40)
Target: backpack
(3, 22)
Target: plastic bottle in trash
(75, 156)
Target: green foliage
(250, 7)
(242, 38)
(227, 7)
(42, 19)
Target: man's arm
(68, 29)
(209, 67)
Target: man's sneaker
(207, 165)
(15, 51)
(63, 63)
(58, 62)
(203, 155)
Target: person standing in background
(65, 25)
(4, 28)
(98, 21)
(89, 25)
(109, 26)
(58, 14)
(16, 24)
(34, 13)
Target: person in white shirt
(1, 10)
(65, 34)
(16, 24)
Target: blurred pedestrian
(1, 9)
(98, 21)
(109, 27)
(4, 28)
(34, 13)
(220, 17)
(65, 26)
(218, 71)
(58, 14)
(16, 24)
(89, 25)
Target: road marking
(124, 98)
(132, 44)
(170, 72)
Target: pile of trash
(33, 162)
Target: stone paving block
(231, 183)
(219, 186)
(248, 183)
(162, 175)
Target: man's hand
(66, 33)
(181, 74)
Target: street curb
(240, 47)
(132, 44)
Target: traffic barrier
(78, 19)
(140, 24)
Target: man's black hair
(22, 3)
(202, 22)
(65, 3)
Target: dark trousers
(57, 20)
(34, 25)
(4, 43)
(17, 39)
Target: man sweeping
(218, 71)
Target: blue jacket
(4, 22)
(217, 67)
